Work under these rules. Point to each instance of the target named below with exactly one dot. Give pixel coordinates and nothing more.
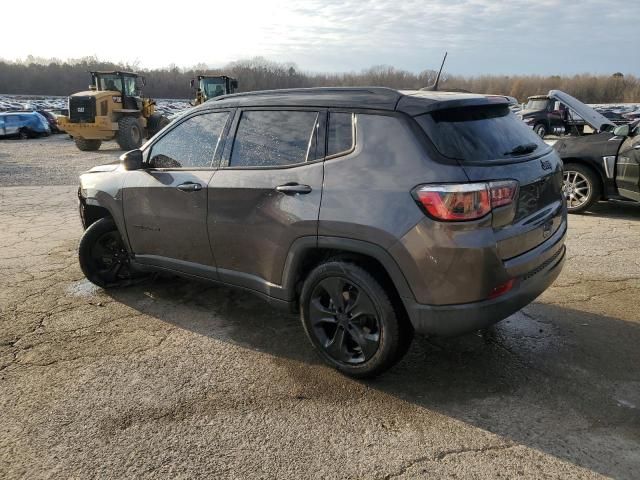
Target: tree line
(39, 76)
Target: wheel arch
(595, 169)
(308, 252)
(91, 213)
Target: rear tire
(581, 187)
(87, 145)
(130, 134)
(350, 320)
(103, 257)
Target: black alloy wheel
(344, 320)
(350, 319)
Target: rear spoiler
(415, 105)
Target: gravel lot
(175, 379)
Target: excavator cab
(210, 86)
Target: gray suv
(373, 212)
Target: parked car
(52, 120)
(23, 124)
(372, 212)
(615, 117)
(559, 113)
(601, 167)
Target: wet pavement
(177, 379)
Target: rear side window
(339, 133)
(268, 138)
(191, 144)
(480, 133)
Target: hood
(596, 120)
(524, 113)
(597, 145)
(107, 167)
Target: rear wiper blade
(522, 149)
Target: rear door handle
(189, 187)
(293, 188)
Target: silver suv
(373, 212)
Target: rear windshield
(480, 133)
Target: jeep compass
(374, 213)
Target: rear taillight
(464, 201)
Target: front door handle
(189, 187)
(293, 188)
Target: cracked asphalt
(177, 379)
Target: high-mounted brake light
(465, 201)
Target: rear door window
(480, 133)
(340, 133)
(274, 138)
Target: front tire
(350, 320)
(130, 134)
(540, 130)
(155, 123)
(103, 257)
(87, 145)
(581, 187)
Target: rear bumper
(536, 271)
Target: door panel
(165, 205)
(628, 168)
(165, 221)
(266, 196)
(252, 225)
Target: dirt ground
(176, 379)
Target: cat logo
(80, 109)
(546, 164)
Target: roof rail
(381, 91)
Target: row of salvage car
(602, 165)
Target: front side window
(213, 87)
(340, 133)
(191, 144)
(130, 87)
(110, 82)
(268, 138)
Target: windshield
(480, 133)
(540, 104)
(212, 87)
(109, 82)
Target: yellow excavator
(210, 86)
(112, 108)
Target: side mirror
(192, 83)
(622, 131)
(132, 160)
(234, 84)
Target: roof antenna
(434, 87)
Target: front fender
(100, 188)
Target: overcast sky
(482, 36)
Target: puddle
(82, 288)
